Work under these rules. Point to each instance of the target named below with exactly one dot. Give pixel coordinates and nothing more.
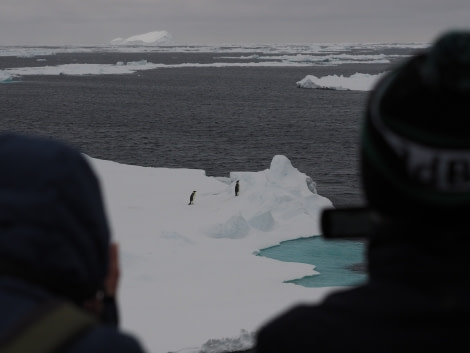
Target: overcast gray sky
(91, 22)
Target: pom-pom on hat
(415, 144)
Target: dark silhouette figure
(237, 188)
(55, 247)
(191, 198)
(415, 171)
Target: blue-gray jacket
(54, 235)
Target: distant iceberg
(5, 77)
(150, 38)
(356, 82)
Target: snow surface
(191, 279)
(150, 38)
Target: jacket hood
(53, 227)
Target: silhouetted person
(415, 169)
(55, 248)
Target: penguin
(237, 188)
(191, 198)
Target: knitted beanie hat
(415, 145)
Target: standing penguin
(237, 188)
(191, 198)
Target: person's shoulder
(106, 339)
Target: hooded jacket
(54, 235)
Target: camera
(348, 223)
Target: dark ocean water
(219, 119)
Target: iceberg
(150, 39)
(191, 279)
(5, 77)
(356, 82)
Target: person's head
(53, 228)
(415, 145)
